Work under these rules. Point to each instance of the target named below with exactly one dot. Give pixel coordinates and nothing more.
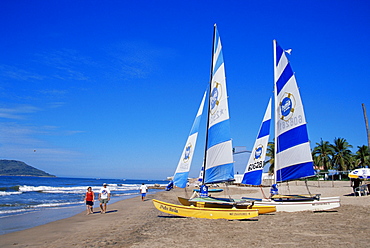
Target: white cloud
(13, 72)
(18, 112)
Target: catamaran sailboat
(293, 159)
(218, 165)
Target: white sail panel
(286, 157)
(219, 110)
(293, 158)
(182, 171)
(218, 154)
(219, 167)
(254, 169)
(219, 160)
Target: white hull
(325, 203)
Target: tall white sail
(254, 169)
(293, 159)
(219, 158)
(182, 171)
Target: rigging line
(174, 193)
(177, 193)
(305, 181)
(228, 193)
(263, 193)
(186, 193)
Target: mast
(367, 126)
(209, 105)
(275, 115)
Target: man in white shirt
(143, 190)
(104, 197)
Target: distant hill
(18, 168)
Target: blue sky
(110, 89)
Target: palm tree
(342, 155)
(353, 163)
(362, 156)
(271, 153)
(323, 154)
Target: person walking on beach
(89, 199)
(143, 190)
(104, 197)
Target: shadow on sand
(110, 211)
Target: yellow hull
(261, 209)
(206, 213)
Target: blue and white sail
(182, 171)
(219, 158)
(293, 159)
(254, 169)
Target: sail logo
(187, 153)
(215, 97)
(287, 105)
(258, 152)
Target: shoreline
(133, 223)
(23, 221)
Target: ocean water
(30, 201)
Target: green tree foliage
(323, 154)
(342, 154)
(328, 156)
(362, 156)
(271, 153)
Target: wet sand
(133, 223)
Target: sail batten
(180, 178)
(254, 169)
(293, 159)
(219, 165)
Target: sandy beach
(134, 223)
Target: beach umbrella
(363, 173)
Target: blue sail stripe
(220, 173)
(219, 133)
(181, 179)
(195, 127)
(295, 171)
(253, 178)
(265, 129)
(219, 62)
(291, 138)
(284, 78)
(279, 52)
(216, 39)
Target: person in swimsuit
(89, 199)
